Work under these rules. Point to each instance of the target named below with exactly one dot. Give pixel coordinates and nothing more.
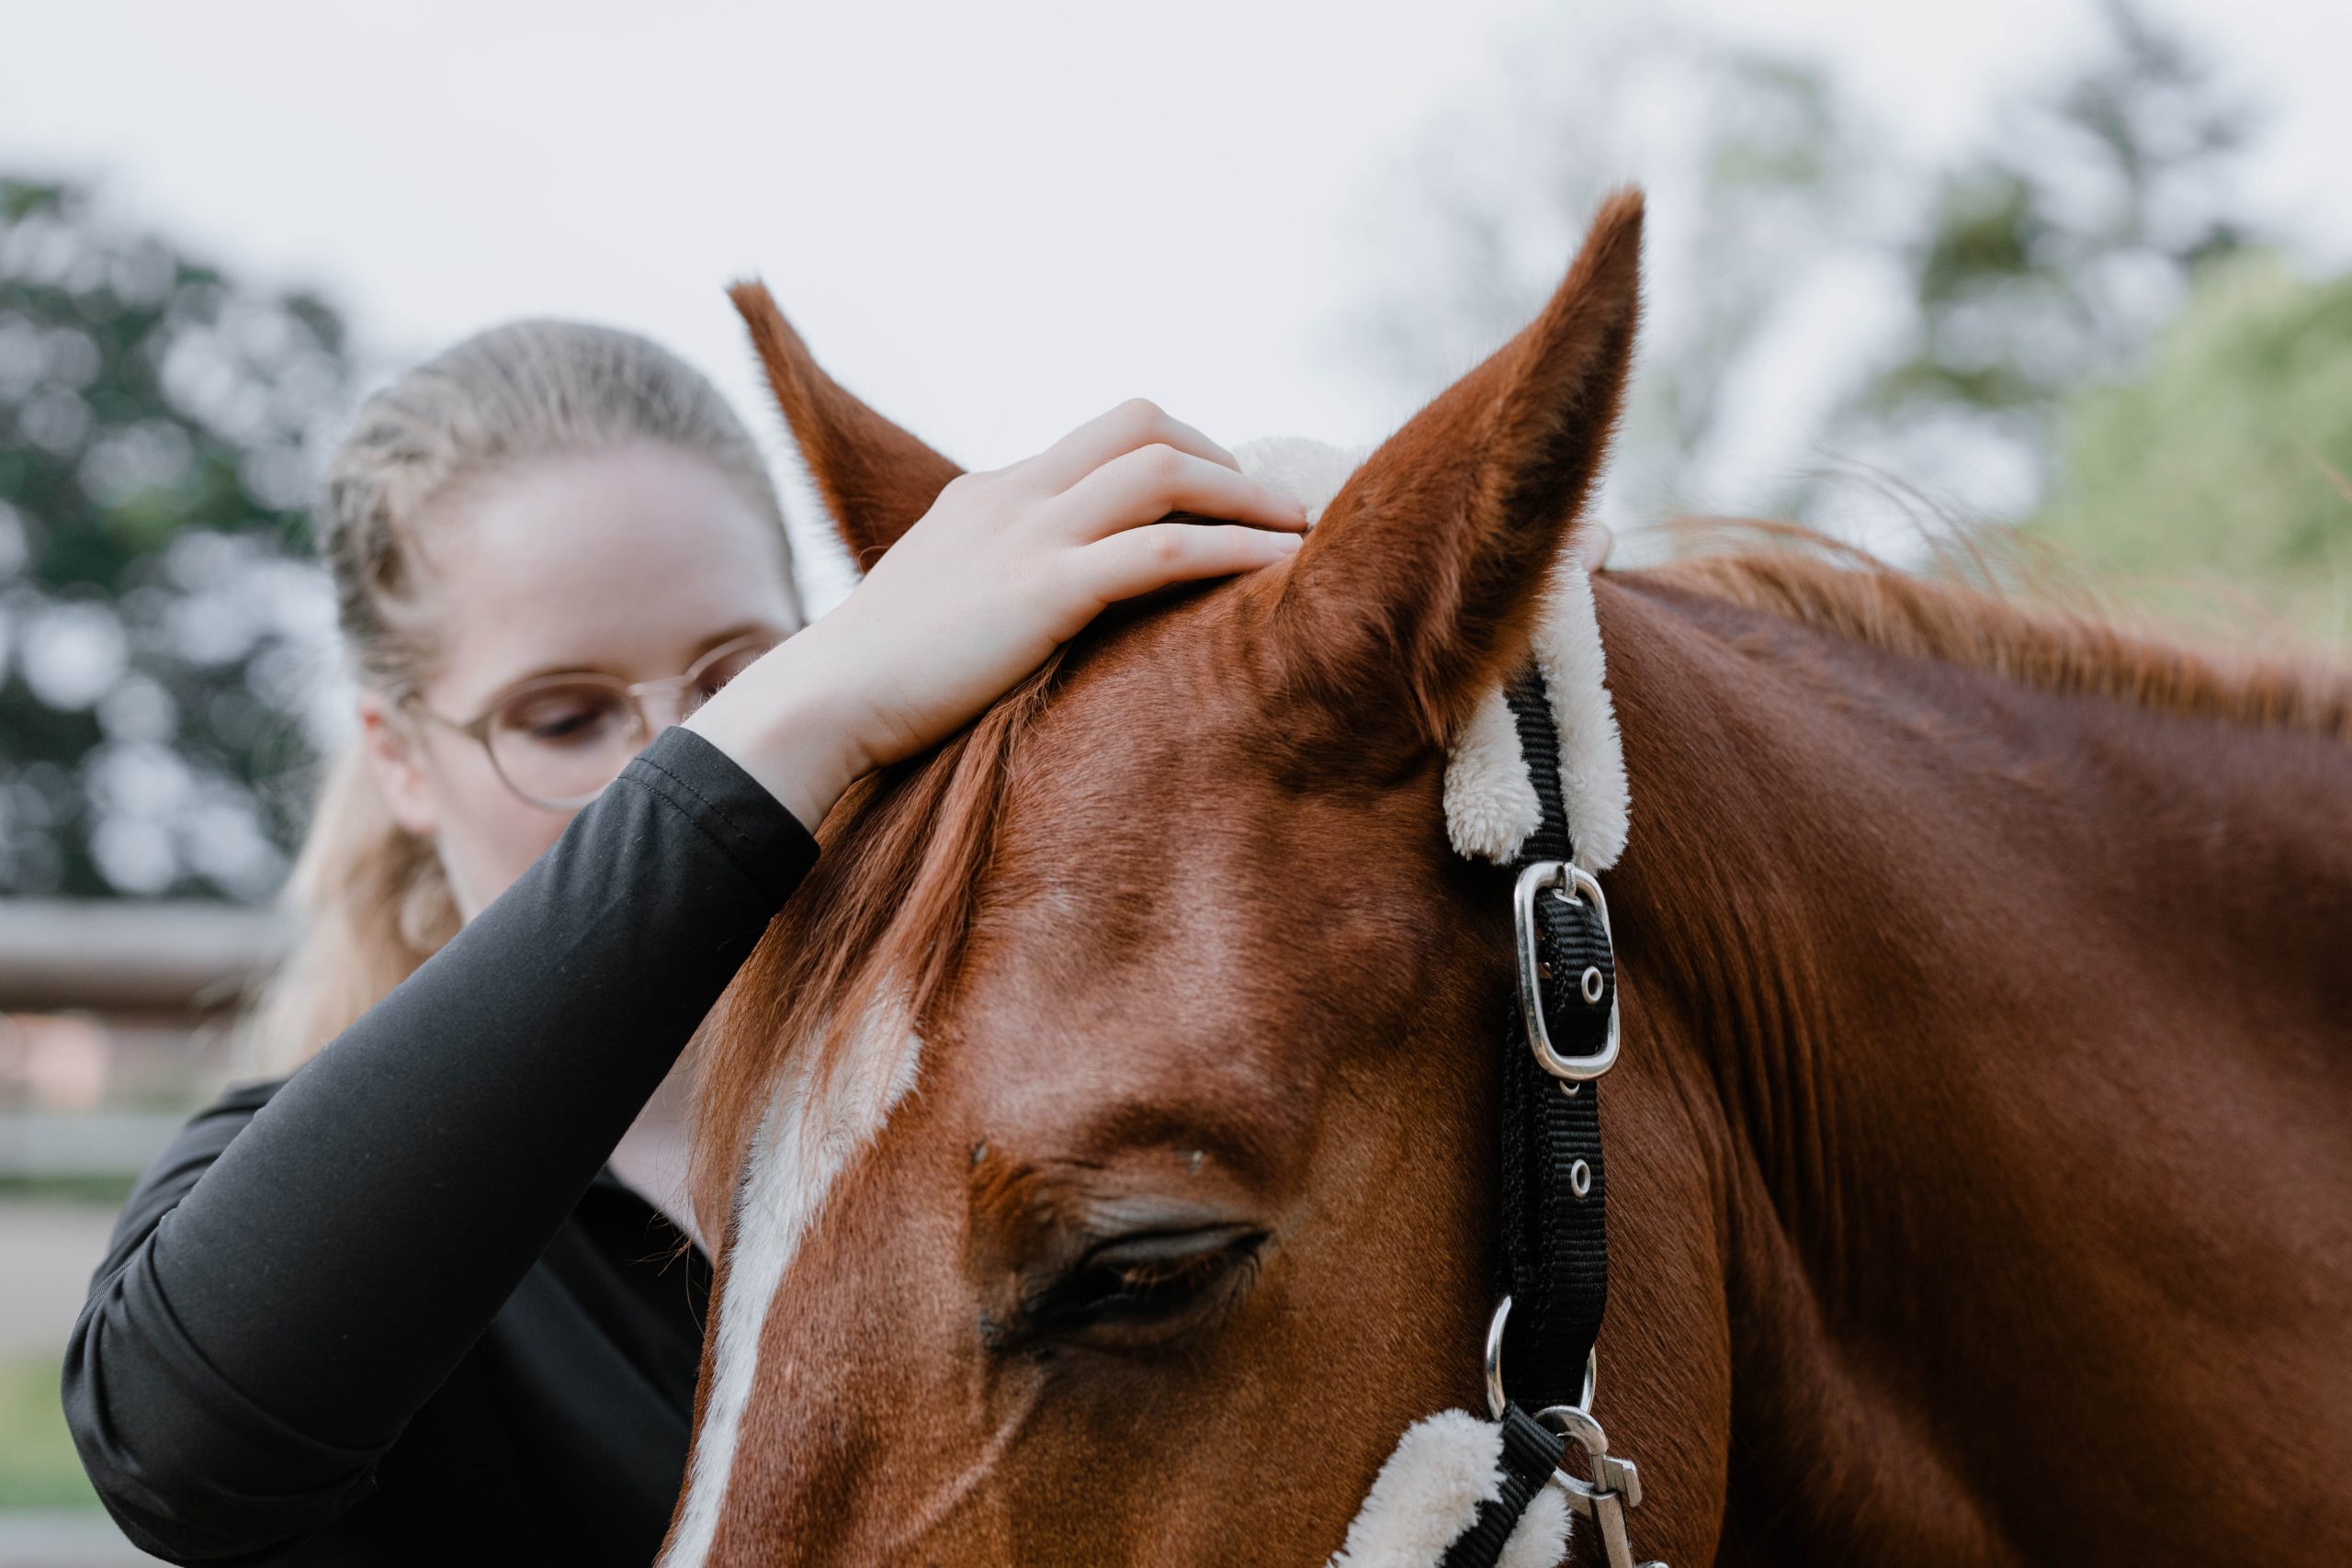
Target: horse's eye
(1140, 1290)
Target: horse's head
(1106, 1127)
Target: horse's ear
(876, 479)
(1428, 567)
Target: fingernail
(1289, 542)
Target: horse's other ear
(876, 479)
(1429, 566)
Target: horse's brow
(1128, 1147)
(1165, 1188)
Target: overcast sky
(991, 219)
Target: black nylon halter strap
(1554, 1264)
(1530, 1453)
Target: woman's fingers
(1135, 423)
(977, 592)
(1140, 559)
(1149, 483)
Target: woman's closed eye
(563, 716)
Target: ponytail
(367, 902)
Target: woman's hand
(1005, 567)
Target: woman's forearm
(331, 1267)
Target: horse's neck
(2023, 1014)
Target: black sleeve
(284, 1295)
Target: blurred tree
(1754, 166)
(160, 625)
(2048, 260)
(1814, 310)
(2227, 456)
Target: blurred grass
(38, 1466)
(107, 1191)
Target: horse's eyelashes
(1156, 1272)
(1135, 1290)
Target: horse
(1102, 1139)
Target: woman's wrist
(785, 721)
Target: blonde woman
(397, 1305)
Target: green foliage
(38, 1468)
(2226, 457)
(2051, 256)
(159, 629)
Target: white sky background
(992, 221)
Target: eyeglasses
(557, 741)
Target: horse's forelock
(880, 921)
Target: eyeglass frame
(632, 692)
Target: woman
(397, 1306)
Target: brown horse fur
(877, 479)
(1980, 1188)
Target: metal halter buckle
(1616, 1483)
(1576, 885)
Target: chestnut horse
(1104, 1135)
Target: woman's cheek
(494, 843)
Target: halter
(1553, 1282)
(1542, 1371)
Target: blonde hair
(368, 900)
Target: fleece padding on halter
(1491, 805)
(1429, 1494)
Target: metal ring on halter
(1575, 885)
(1576, 1422)
(1497, 1402)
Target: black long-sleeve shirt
(397, 1310)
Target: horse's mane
(2087, 645)
(879, 929)
(874, 935)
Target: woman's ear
(392, 756)
(878, 478)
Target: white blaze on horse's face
(805, 1141)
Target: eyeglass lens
(561, 741)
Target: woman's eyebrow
(757, 623)
(717, 639)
